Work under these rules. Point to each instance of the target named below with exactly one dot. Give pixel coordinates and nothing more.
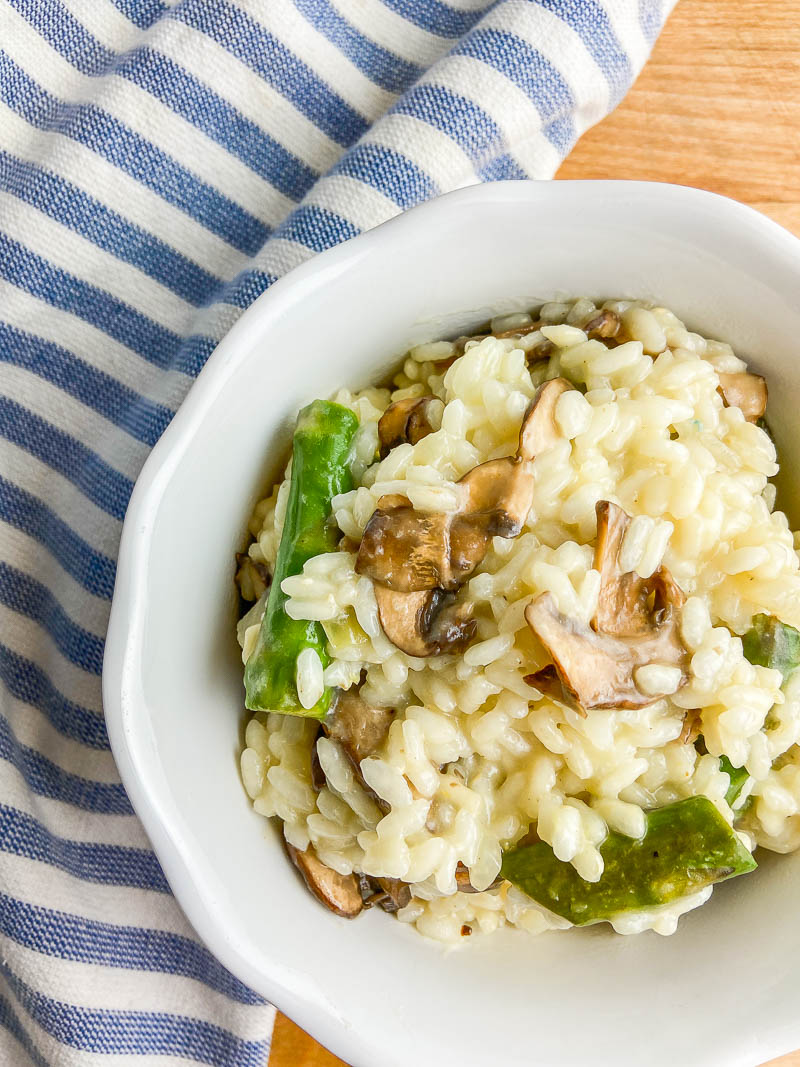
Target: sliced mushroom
(516, 331)
(539, 430)
(597, 670)
(496, 499)
(463, 884)
(460, 343)
(541, 350)
(409, 551)
(619, 602)
(485, 331)
(406, 420)
(604, 324)
(391, 894)
(398, 893)
(426, 622)
(628, 605)
(636, 624)
(366, 886)
(359, 727)
(548, 682)
(746, 391)
(338, 892)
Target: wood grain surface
(717, 107)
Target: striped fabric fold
(162, 162)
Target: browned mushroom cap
(746, 391)
(426, 622)
(539, 430)
(605, 323)
(409, 551)
(596, 670)
(359, 727)
(338, 892)
(496, 498)
(405, 420)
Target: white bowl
(721, 991)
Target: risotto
(520, 631)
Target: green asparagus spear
(320, 470)
(771, 643)
(737, 775)
(686, 846)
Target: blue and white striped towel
(161, 163)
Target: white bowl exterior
(721, 990)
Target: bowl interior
(373, 990)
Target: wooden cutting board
(717, 107)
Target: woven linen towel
(161, 163)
